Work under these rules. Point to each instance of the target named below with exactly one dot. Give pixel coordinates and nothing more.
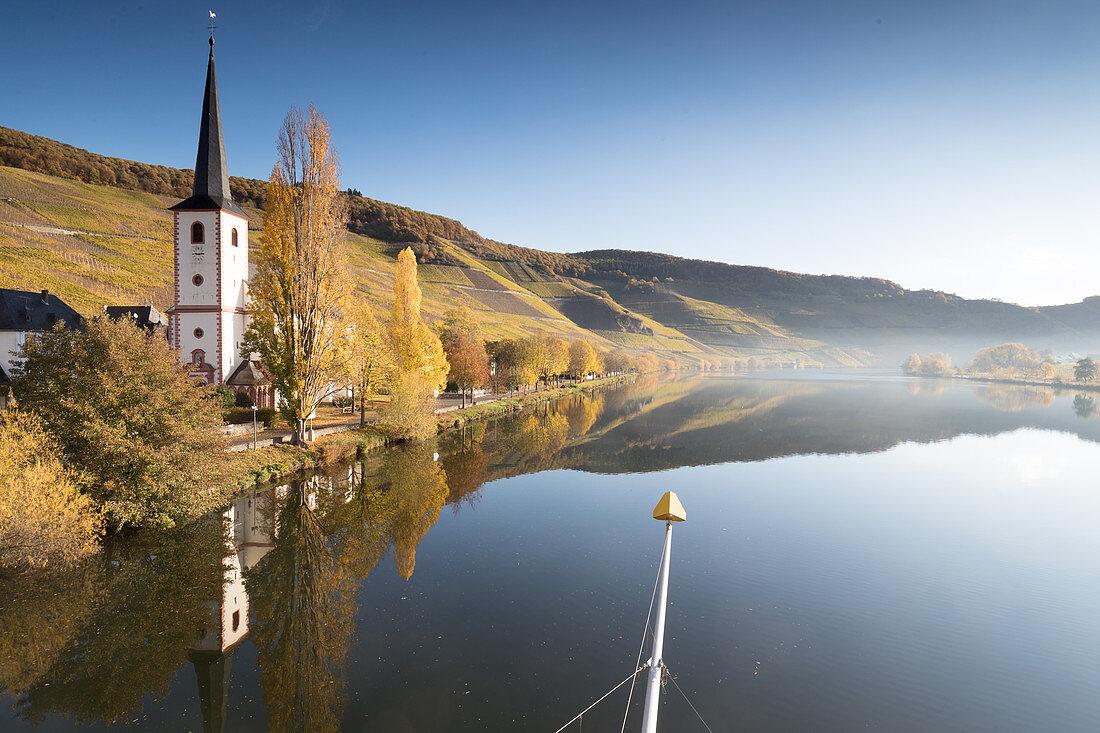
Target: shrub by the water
(143, 439)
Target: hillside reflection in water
(277, 614)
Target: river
(861, 551)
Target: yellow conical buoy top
(670, 508)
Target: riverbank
(1024, 382)
(282, 461)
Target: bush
(244, 399)
(241, 415)
(227, 398)
(141, 437)
(44, 520)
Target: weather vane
(212, 26)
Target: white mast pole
(653, 688)
(669, 509)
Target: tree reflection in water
(90, 643)
(303, 601)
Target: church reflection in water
(250, 533)
(282, 568)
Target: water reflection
(90, 643)
(283, 568)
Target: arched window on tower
(234, 238)
(197, 234)
(198, 357)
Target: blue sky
(946, 145)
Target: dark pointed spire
(211, 189)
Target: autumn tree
(417, 346)
(936, 364)
(1005, 357)
(617, 361)
(517, 361)
(44, 520)
(368, 355)
(409, 414)
(464, 346)
(582, 358)
(143, 440)
(1084, 370)
(299, 285)
(911, 365)
(551, 357)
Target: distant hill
(96, 230)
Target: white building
(23, 313)
(209, 317)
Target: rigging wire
(632, 676)
(668, 674)
(641, 647)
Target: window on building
(197, 234)
(198, 333)
(197, 280)
(234, 237)
(236, 620)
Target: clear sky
(945, 145)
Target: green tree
(1084, 370)
(143, 440)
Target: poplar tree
(299, 285)
(418, 348)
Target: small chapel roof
(248, 374)
(4, 378)
(211, 190)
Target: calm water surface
(859, 553)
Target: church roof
(211, 189)
(247, 374)
(21, 310)
(4, 378)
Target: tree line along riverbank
(281, 462)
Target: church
(210, 237)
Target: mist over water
(860, 551)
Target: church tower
(211, 257)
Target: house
(21, 313)
(143, 316)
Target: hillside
(96, 230)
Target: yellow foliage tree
(299, 285)
(417, 347)
(44, 521)
(369, 357)
(583, 359)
